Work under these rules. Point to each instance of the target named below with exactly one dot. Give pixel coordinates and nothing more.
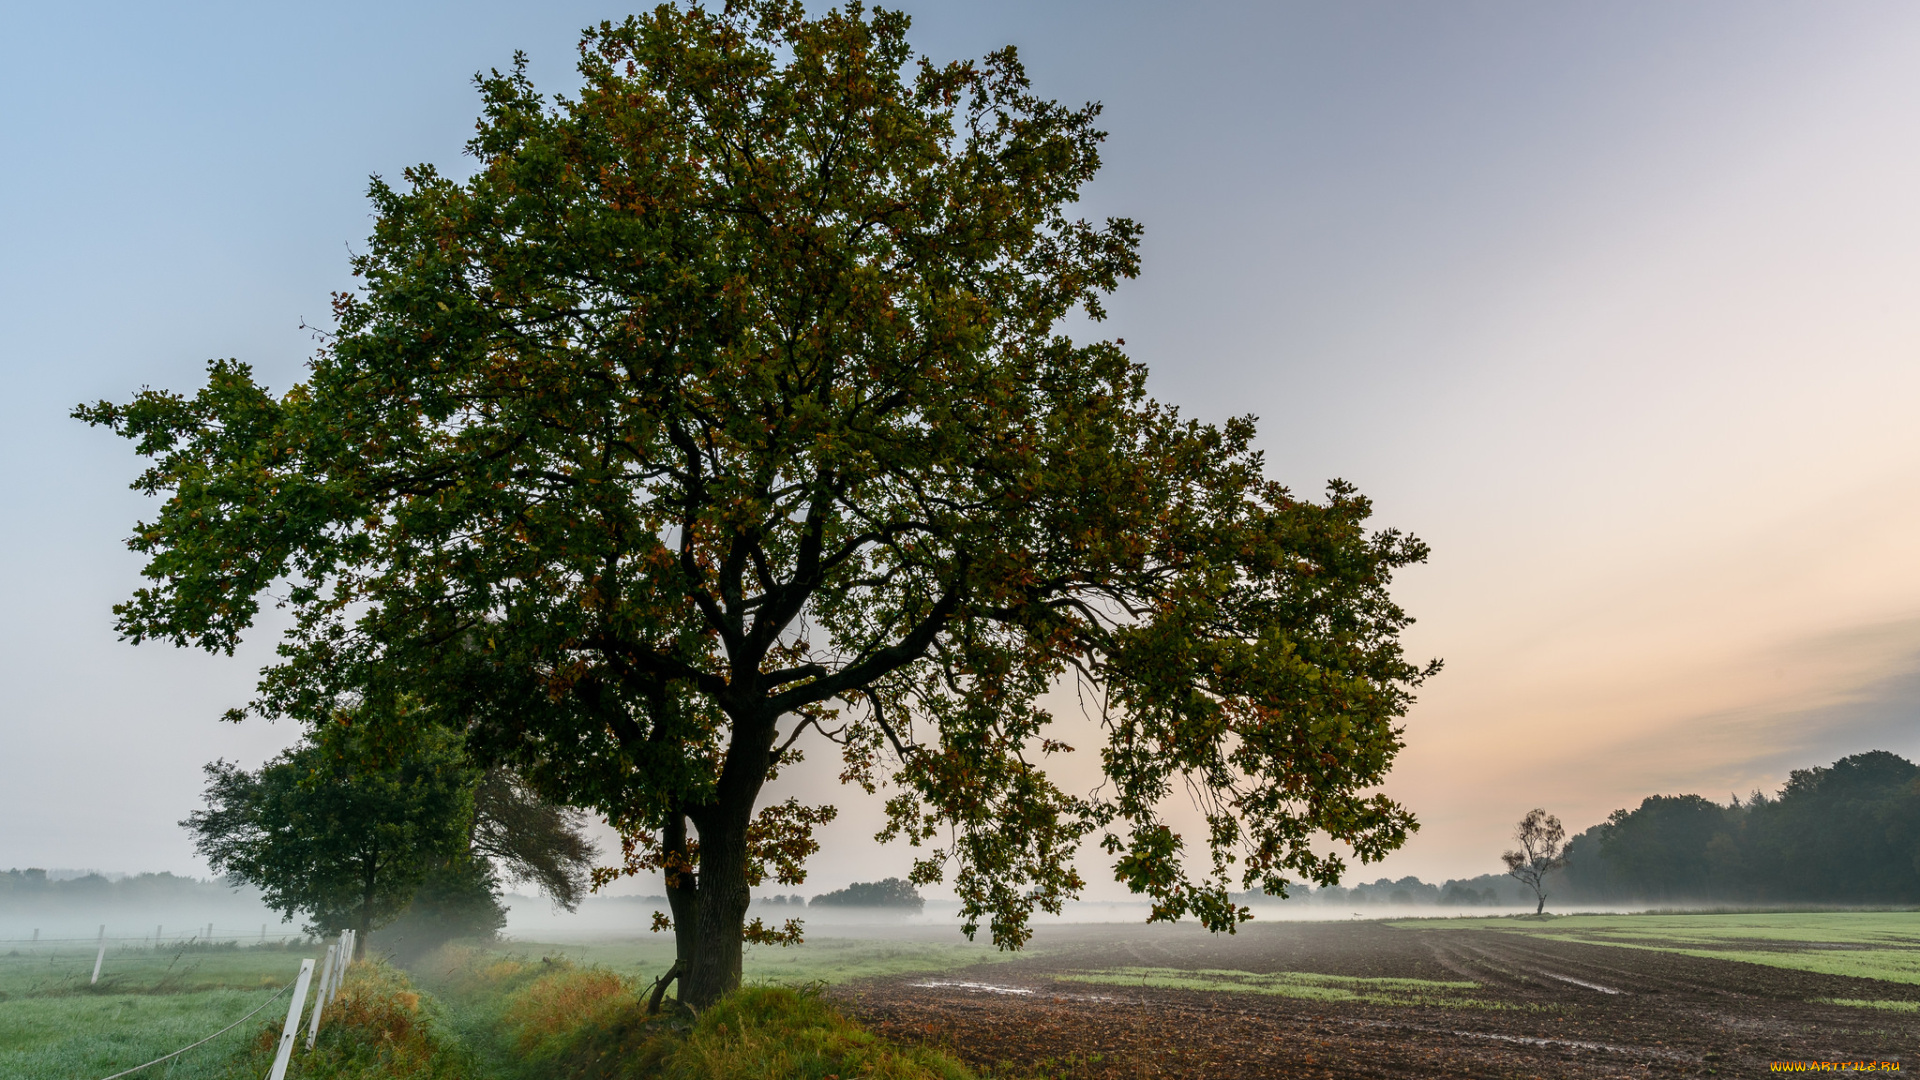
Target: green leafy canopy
(343, 827)
(726, 406)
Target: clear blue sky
(1614, 304)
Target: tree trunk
(1542, 905)
(683, 896)
(723, 896)
(721, 904)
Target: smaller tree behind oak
(1542, 850)
(727, 406)
(515, 837)
(344, 827)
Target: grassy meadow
(820, 959)
(56, 1025)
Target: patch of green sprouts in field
(1881, 945)
(1857, 1003)
(1294, 984)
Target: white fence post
(292, 1030)
(320, 996)
(346, 957)
(347, 942)
(101, 957)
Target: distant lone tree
(1542, 850)
(727, 404)
(894, 892)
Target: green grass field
(1863, 944)
(56, 1025)
(820, 959)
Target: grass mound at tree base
(757, 1033)
(552, 1020)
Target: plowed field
(1370, 999)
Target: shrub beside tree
(343, 828)
(388, 826)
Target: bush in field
(780, 1032)
(344, 827)
(897, 893)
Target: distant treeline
(34, 889)
(895, 893)
(1848, 833)
(1487, 890)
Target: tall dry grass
(559, 1021)
(378, 1027)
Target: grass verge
(553, 1020)
(75, 1037)
(378, 1027)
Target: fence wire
(208, 1039)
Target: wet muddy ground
(1384, 1001)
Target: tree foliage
(525, 838)
(726, 405)
(343, 828)
(367, 824)
(458, 898)
(1847, 833)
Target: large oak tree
(726, 406)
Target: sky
(1613, 305)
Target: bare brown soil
(1566, 1010)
